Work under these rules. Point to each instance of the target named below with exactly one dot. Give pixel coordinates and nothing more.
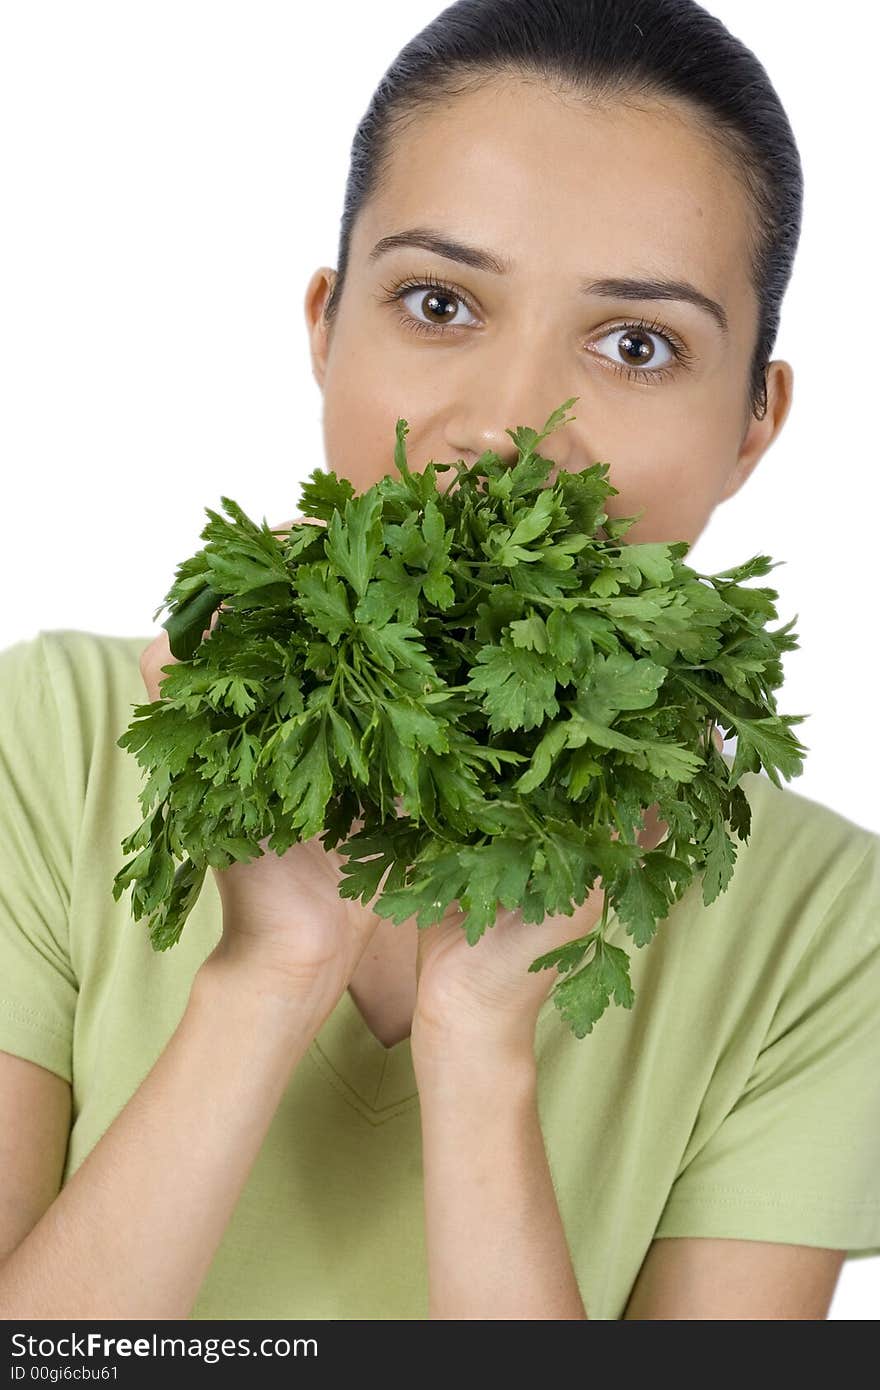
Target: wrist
(459, 1043)
(478, 1093)
(476, 1063)
(251, 987)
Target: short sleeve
(38, 988)
(797, 1158)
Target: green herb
(525, 686)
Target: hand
(283, 919)
(469, 997)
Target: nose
(471, 444)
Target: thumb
(157, 655)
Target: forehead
(565, 187)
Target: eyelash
(394, 293)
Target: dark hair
(601, 51)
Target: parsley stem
(352, 679)
(704, 695)
(542, 834)
(592, 601)
(600, 930)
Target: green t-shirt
(739, 1097)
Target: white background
(173, 172)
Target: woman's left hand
(470, 997)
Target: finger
(152, 659)
(158, 654)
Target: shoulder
(799, 921)
(66, 695)
(801, 907)
(796, 841)
(55, 651)
(75, 666)
(76, 649)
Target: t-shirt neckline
(376, 1079)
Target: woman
(305, 1111)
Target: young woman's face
(568, 197)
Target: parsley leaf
(496, 660)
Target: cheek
(674, 473)
(362, 402)
(359, 420)
(677, 484)
(677, 498)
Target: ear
(317, 294)
(760, 434)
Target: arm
(691, 1278)
(495, 1241)
(134, 1231)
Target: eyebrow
(611, 287)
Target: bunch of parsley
(524, 688)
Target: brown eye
(436, 302)
(635, 356)
(440, 307)
(635, 348)
(638, 345)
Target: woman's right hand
(284, 923)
